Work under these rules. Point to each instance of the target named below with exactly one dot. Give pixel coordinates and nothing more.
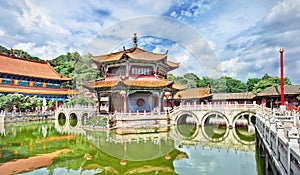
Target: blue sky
(238, 38)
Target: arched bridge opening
(187, 125)
(244, 126)
(73, 119)
(215, 126)
(61, 119)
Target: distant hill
(19, 53)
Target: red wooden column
(281, 77)
(99, 101)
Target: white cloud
(48, 51)
(258, 46)
(248, 32)
(2, 32)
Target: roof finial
(134, 40)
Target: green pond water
(182, 149)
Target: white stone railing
(217, 105)
(77, 107)
(12, 114)
(280, 136)
(139, 116)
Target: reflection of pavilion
(160, 143)
(133, 147)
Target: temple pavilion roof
(233, 96)
(136, 54)
(275, 91)
(194, 93)
(35, 90)
(29, 68)
(147, 82)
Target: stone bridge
(74, 116)
(225, 114)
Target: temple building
(270, 97)
(32, 78)
(192, 96)
(233, 98)
(135, 80)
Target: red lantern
(167, 95)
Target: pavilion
(135, 80)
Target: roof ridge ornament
(135, 41)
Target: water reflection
(167, 150)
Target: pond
(182, 149)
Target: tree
(72, 65)
(170, 77)
(251, 82)
(233, 85)
(24, 104)
(191, 80)
(266, 82)
(3, 50)
(3, 102)
(204, 82)
(51, 104)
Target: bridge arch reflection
(215, 118)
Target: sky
(237, 38)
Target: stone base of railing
(142, 120)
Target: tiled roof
(178, 86)
(139, 82)
(101, 84)
(194, 93)
(133, 53)
(153, 82)
(172, 65)
(35, 90)
(29, 68)
(275, 90)
(233, 96)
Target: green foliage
(72, 65)
(20, 102)
(51, 104)
(3, 50)
(222, 84)
(204, 82)
(251, 82)
(227, 84)
(80, 100)
(233, 85)
(19, 53)
(268, 81)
